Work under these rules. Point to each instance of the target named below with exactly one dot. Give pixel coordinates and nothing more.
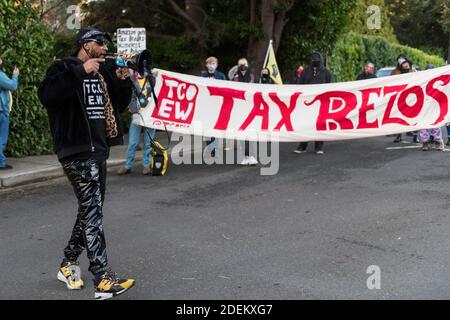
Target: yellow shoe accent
(71, 276)
(109, 287)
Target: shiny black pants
(88, 178)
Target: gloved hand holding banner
(324, 112)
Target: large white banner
(336, 111)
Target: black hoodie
(62, 94)
(315, 75)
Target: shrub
(26, 43)
(353, 51)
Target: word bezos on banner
(365, 108)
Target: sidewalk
(40, 168)
(37, 169)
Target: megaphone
(139, 62)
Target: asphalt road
(226, 232)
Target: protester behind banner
(244, 74)
(6, 86)
(368, 73)
(265, 77)
(427, 136)
(315, 73)
(404, 65)
(298, 74)
(212, 73)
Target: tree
(28, 44)
(364, 19)
(273, 19)
(182, 33)
(421, 24)
(313, 25)
(445, 23)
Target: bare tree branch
(280, 23)
(184, 15)
(44, 13)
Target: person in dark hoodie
(315, 73)
(83, 101)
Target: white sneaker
(252, 161)
(246, 161)
(319, 152)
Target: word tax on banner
(323, 112)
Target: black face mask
(265, 75)
(242, 68)
(402, 70)
(315, 63)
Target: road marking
(410, 147)
(405, 147)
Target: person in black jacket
(315, 73)
(368, 72)
(265, 77)
(83, 101)
(244, 74)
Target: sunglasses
(101, 43)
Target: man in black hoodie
(315, 73)
(83, 101)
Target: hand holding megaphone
(123, 73)
(93, 65)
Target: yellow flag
(271, 63)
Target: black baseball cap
(87, 35)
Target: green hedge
(25, 42)
(353, 51)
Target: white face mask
(211, 67)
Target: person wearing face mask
(315, 73)
(212, 73)
(368, 72)
(6, 85)
(404, 65)
(265, 77)
(211, 69)
(244, 74)
(297, 75)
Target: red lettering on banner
(176, 101)
(285, 110)
(414, 110)
(260, 109)
(365, 107)
(439, 96)
(334, 108)
(227, 106)
(387, 115)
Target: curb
(50, 173)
